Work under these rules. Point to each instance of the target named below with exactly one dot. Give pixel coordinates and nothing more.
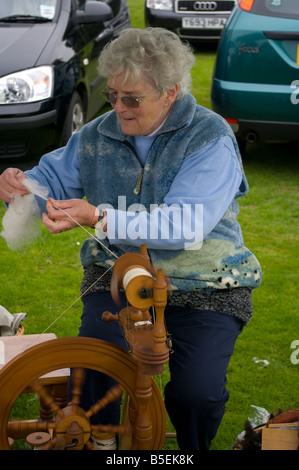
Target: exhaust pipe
(251, 137)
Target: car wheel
(74, 119)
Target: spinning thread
(132, 274)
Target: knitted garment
(235, 302)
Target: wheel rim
(77, 118)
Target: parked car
(195, 21)
(256, 78)
(49, 82)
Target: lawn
(43, 279)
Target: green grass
(44, 279)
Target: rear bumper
(266, 131)
(257, 111)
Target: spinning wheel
(71, 427)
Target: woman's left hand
(57, 221)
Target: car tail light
(234, 124)
(246, 4)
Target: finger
(52, 212)
(15, 178)
(56, 226)
(63, 204)
(55, 212)
(11, 183)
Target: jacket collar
(181, 115)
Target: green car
(255, 83)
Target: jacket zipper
(138, 185)
(137, 188)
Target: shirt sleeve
(59, 171)
(198, 198)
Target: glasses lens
(130, 101)
(109, 97)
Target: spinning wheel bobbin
(136, 280)
(144, 288)
(126, 262)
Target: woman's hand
(11, 183)
(57, 221)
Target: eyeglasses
(129, 101)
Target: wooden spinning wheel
(71, 427)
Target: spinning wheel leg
(72, 428)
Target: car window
(280, 8)
(35, 8)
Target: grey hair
(155, 53)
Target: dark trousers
(195, 397)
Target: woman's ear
(172, 94)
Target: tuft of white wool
(21, 222)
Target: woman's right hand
(11, 183)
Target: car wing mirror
(94, 12)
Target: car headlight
(160, 4)
(27, 86)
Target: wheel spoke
(45, 397)
(90, 446)
(20, 429)
(112, 428)
(113, 394)
(78, 376)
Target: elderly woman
(161, 170)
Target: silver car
(196, 21)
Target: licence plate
(203, 23)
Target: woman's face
(150, 113)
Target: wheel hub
(72, 428)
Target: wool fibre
(21, 222)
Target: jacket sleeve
(59, 172)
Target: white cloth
(9, 323)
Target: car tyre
(75, 118)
